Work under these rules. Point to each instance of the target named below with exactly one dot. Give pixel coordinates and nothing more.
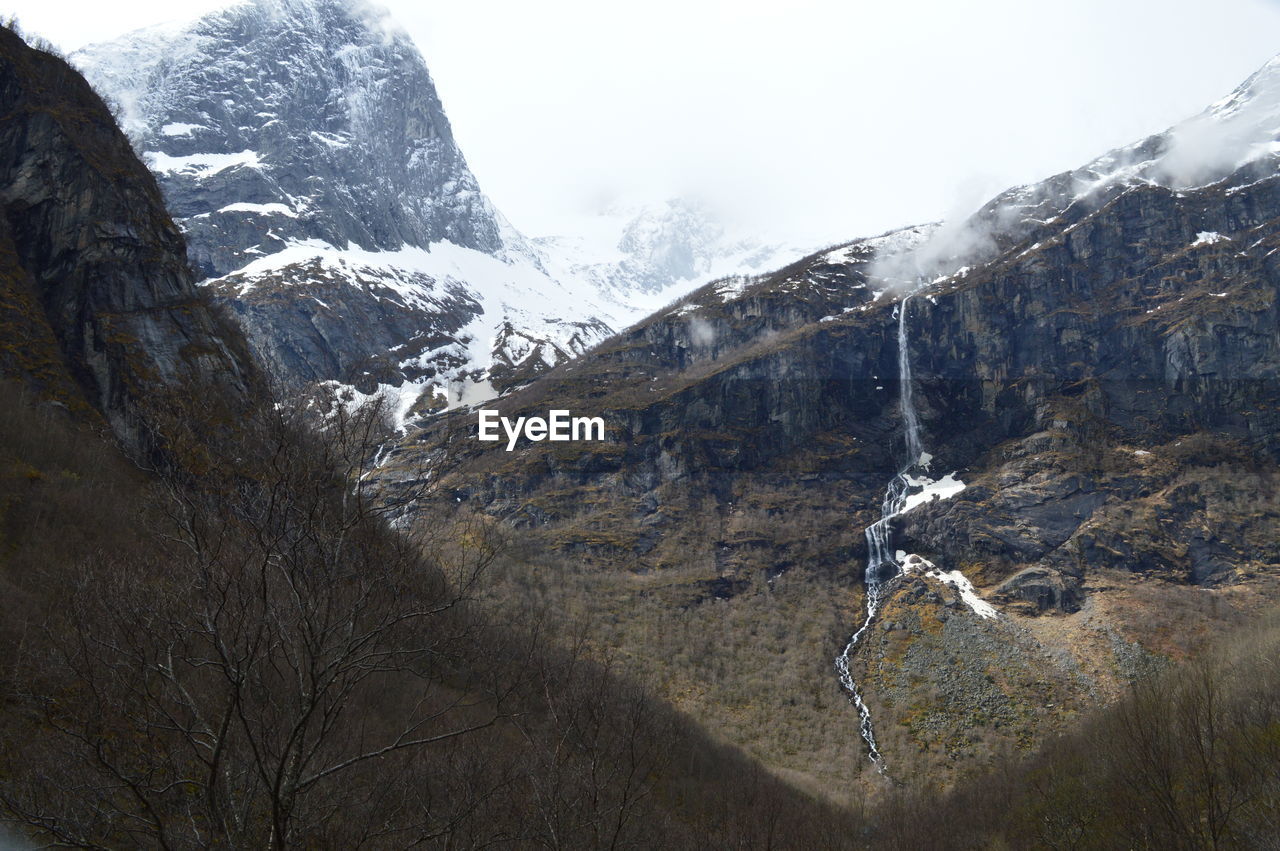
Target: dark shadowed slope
(96, 292)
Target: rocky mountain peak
(274, 121)
(634, 252)
(668, 237)
(1262, 88)
(1236, 138)
(305, 152)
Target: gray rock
(278, 127)
(345, 131)
(1044, 589)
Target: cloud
(951, 247)
(962, 239)
(702, 332)
(1209, 147)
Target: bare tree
(595, 749)
(274, 654)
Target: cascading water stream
(881, 565)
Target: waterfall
(910, 421)
(881, 564)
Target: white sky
(815, 120)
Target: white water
(882, 565)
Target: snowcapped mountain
(1238, 131)
(1236, 138)
(1090, 365)
(310, 118)
(631, 252)
(303, 149)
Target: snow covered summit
(273, 121)
(303, 149)
(631, 252)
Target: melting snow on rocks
(912, 563)
(930, 489)
(1208, 237)
(200, 166)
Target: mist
(815, 121)
(1230, 134)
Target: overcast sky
(812, 119)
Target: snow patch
(200, 166)
(259, 209)
(731, 288)
(943, 488)
(1209, 237)
(177, 128)
(506, 294)
(912, 563)
(847, 254)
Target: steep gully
(882, 567)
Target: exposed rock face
(320, 337)
(304, 150)
(95, 284)
(1095, 357)
(1129, 326)
(277, 121)
(1140, 314)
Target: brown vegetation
(249, 657)
(1189, 758)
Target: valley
(337, 512)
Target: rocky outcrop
(94, 273)
(1042, 588)
(354, 326)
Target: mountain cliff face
(308, 120)
(112, 658)
(303, 149)
(1094, 364)
(99, 308)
